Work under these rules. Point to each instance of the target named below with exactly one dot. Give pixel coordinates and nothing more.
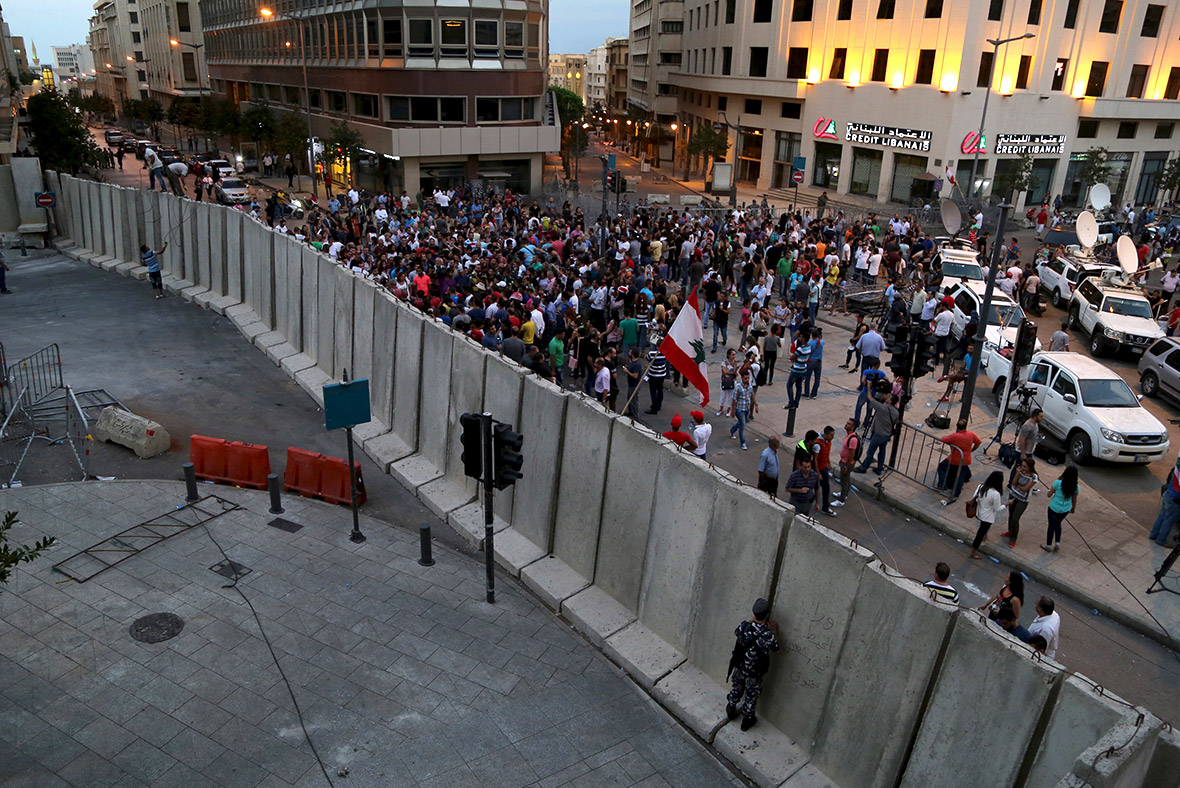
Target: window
(182, 18)
(726, 60)
(925, 73)
(995, 11)
(423, 108)
(1071, 14)
(1138, 80)
(1097, 81)
(138, 56)
(1163, 131)
(730, 11)
(885, 9)
(880, 64)
(291, 95)
(453, 109)
(487, 110)
(314, 99)
(1022, 72)
(487, 38)
(365, 105)
(722, 103)
(792, 110)
(338, 101)
(839, 60)
(844, 10)
(1128, 129)
(675, 26)
(391, 37)
(753, 107)
(985, 70)
(933, 9)
(797, 63)
(1172, 89)
(1063, 384)
(1059, 73)
(136, 38)
(133, 17)
(421, 38)
(189, 66)
(1110, 16)
(1152, 18)
(452, 38)
(1087, 129)
(801, 11)
(1034, 12)
(758, 60)
(514, 40)
(762, 11)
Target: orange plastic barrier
(240, 464)
(313, 475)
(303, 472)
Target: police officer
(756, 638)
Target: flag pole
(627, 404)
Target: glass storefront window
(1042, 182)
(905, 185)
(787, 145)
(827, 165)
(866, 171)
(750, 155)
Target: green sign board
(346, 404)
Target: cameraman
(885, 419)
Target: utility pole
(981, 331)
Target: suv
(1093, 411)
(1061, 275)
(1003, 321)
(1115, 316)
(1159, 369)
(113, 136)
(957, 260)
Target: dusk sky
(574, 26)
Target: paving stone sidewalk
(405, 675)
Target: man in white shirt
(942, 335)
(700, 433)
(1047, 624)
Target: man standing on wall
(755, 640)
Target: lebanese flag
(684, 347)
(950, 176)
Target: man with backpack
(755, 640)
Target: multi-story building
(72, 62)
(19, 53)
(655, 33)
(595, 77)
(441, 94)
(8, 66)
(117, 45)
(883, 98)
(568, 71)
(173, 46)
(618, 56)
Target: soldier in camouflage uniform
(756, 638)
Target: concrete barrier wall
(654, 554)
(985, 707)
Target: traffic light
(506, 457)
(471, 439)
(894, 335)
(620, 183)
(924, 354)
(1026, 343)
(610, 181)
(899, 363)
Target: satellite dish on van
(1128, 256)
(952, 218)
(1100, 196)
(1087, 229)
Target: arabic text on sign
(1017, 144)
(888, 136)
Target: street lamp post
(996, 44)
(733, 167)
(268, 14)
(196, 54)
(674, 127)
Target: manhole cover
(231, 570)
(157, 627)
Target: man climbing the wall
(749, 662)
(150, 258)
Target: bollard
(790, 433)
(276, 504)
(24, 250)
(427, 558)
(190, 482)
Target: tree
(1095, 167)
(342, 146)
(258, 124)
(1169, 177)
(1012, 180)
(707, 142)
(290, 136)
(11, 556)
(569, 111)
(59, 134)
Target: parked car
(129, 144)
(1093, 410)
(224, 168)
(142, 145)
(113, 136)
(1159, 369)
(1061, 275)
(232, 191)
(1116, 316)
(959, 260)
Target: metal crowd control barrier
(16, 435)
(78, 433)
(39, 374)
(919, 455)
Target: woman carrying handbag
(985, 505)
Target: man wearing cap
(700, 432)
(755, 640)
(679, 437)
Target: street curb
(1145, 627)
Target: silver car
(232, 191)
(1159, 369)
